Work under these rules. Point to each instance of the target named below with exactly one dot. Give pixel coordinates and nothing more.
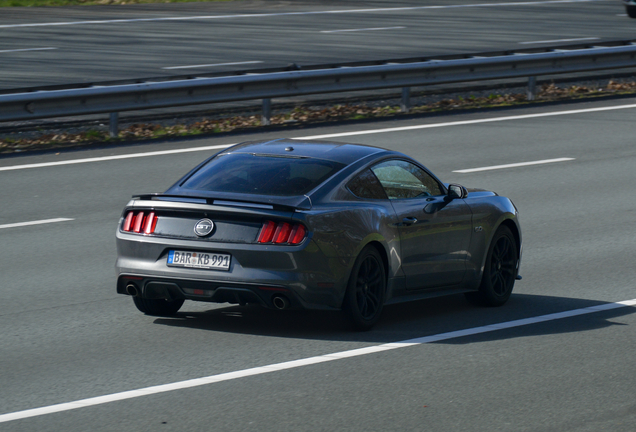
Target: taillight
(267, 232)
(297, 234)
(128, 221)
(140, 222)
(282, 233)
(150, 223)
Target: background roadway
(67, 335)
(38, 47)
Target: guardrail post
(405, 104)
(532, 88)
(267, 112)
(113, 125)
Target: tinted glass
(261, 174)
(401, 179)
(366, 185)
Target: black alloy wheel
(500, 270)
(365, 293)
(158, 307)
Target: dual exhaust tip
(280, 302)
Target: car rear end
(221, 251)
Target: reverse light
(140, 222)
(282, 233)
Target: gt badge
(203, 227)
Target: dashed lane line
(513, 165)
(560, 40)
(213, 65)
(38, 222)
(363, 29)
(27, 49)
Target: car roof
(344, 153)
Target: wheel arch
(383, 254)
(509, 223)
(379, 247)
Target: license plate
(200, 260)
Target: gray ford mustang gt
(315, 225)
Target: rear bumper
(153, 287)
(258, 273)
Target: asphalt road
(67, 336)
(48, 46)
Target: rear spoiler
(254, 201)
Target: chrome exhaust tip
(280, 302)
(131, 290)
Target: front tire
(158, 307)
(500, 271)
(364, 298)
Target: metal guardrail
(115, 98)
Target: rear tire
(631, 11)
(158, 307)
(500, 271)
(364, 298)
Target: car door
(434, 229)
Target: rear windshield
(261, 174)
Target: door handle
(409, 220)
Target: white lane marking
(464, 122)
(197, 382)
(27, 49)
(107, 158)
(623, 15)
(513, 165)
(560, 40)
(363, 29)
(263, 15)
(213, 65)
(40, 222)
(325, 136)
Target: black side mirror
(457, 191)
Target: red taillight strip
(128, 221)
(151, 222)
(140, 224)
(282, 233)
(298, 234)
(138, 220)
(267, 232)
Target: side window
(366, 185)
(401, 179)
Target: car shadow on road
(405, 321)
